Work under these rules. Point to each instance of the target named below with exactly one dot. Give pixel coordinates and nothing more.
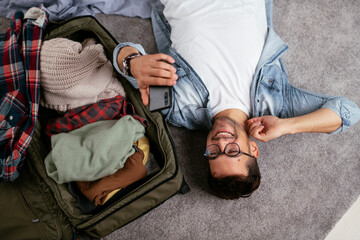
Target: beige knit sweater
(75, 74)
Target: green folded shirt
(93, 151)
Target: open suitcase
(42, 209)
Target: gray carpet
(308, 180)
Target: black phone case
(160, 97)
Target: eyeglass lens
(231, 149)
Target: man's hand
(266, 128)
(153, 69)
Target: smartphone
(159, 97)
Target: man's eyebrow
(234, 158)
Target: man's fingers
(163, 65)
(253, 125)
(144, 95)
(164, 57)
(161, 73)
(255, 119)
(161, 81)
(251, 120)
(256, 132)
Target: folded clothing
(144, 145)
(87, 206)
(75, 74)
(133, 170)
(107, 109)
(93, 151)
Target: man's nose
(222, 144)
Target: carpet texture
(308, 180)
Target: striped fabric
(19, 88)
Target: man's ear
(254, 149)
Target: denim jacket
(271, 93)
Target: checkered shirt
(107, 109)
(19, 90)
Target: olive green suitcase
(60, 205)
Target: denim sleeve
(132, 80)
(301, 102)
(346, 109)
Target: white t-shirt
(222, 40)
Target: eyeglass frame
(223, 152)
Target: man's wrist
(123, 53)
(131, 66)
(289, 126)
(126, 62)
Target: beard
(235, 127)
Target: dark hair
(236, 186)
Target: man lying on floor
(223, 60)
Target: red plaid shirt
(19, 90)
(107, 109)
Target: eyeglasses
(231, 150)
